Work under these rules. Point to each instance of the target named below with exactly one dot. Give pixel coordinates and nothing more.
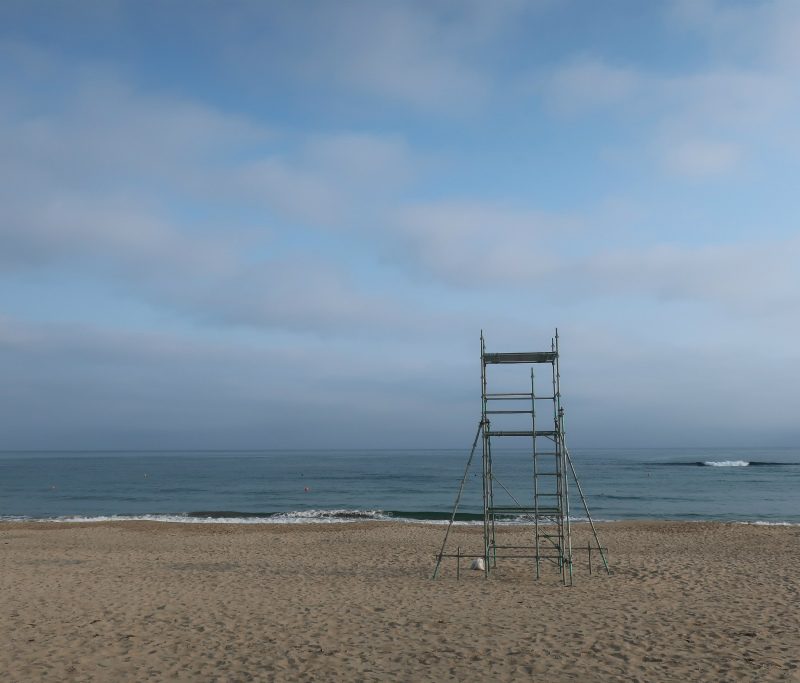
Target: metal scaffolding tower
(542, 499)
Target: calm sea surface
(329, 486)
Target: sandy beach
(205, 602)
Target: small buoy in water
(478, 564)
(306, 489)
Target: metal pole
(567, 521)
(458, 499)
(562, 436)
(493, 542)
(588, 515)
(559, 469)
(486, 461)
(535, 476)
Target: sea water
(746, 485)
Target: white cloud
(473, 243)
(100, 182)
(735, 99)
(702, 124)
(712, 118)
(591, 84)
(361, 161)
(764, 33)
(112, 233)
(400, 54)
(210, 278)
(296, 293)
(329, 180)
(430, 56)
(744, 278)
(289, 190)
(701, 158)
(103, 130)
(475, 246)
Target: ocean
(729, 484)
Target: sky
(250, 225)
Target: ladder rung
(516, 395)
(524, 510)
(518, 547)
(520, 433)
(521, 357)
(529, 557)
(509, 412)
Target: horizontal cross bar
(524, 357)
(521, 433)
(508, 412)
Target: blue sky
(270, 225)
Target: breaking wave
(724, 463)
(727, 463)
(295, 517)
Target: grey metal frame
(551, 466)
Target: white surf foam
(326, 517)
(297, 517)
(181, 519)
(726, 463)
(329, 516)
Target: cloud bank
(287, 225)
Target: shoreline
(331, 518)
(122, 600)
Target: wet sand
(202, 602)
